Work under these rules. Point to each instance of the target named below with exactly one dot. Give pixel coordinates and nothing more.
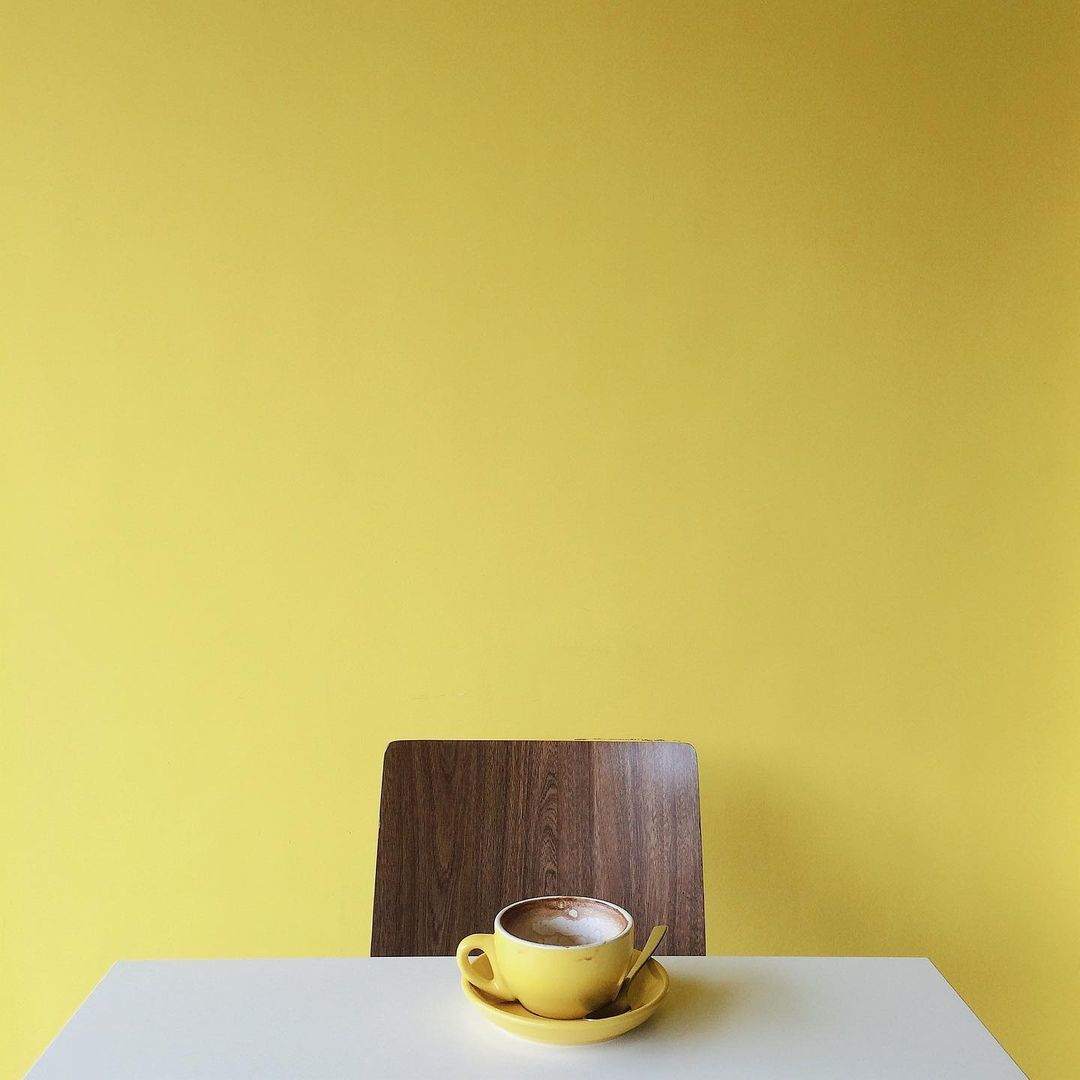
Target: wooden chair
(468, 827)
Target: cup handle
(486, 944)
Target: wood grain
(466, 827)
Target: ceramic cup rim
(629, 929)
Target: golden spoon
(621, 1001)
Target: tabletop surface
(758, 1018)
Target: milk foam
(564, 922)
(565, 929)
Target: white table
(750, 1018)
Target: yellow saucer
(646, 992)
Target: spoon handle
(655, 938)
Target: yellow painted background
(696, 371)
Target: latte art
(567, 921)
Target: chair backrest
(466, 828)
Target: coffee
(567, 921)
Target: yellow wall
(693, 371)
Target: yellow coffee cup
(560, 956)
